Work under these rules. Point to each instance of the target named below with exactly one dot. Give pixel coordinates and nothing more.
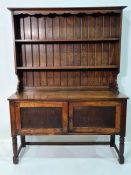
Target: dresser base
(68, 113)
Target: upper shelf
(68, 41)
(68, 67)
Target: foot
(121, 160)
(112, 144)
(15, 160)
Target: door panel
(94, 117)
(41, 117)
(88, 116)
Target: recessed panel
(93, 116)
(41, 117)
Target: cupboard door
(41, 117)
(94, 117)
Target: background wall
(8, 79)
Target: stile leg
(121, 150)
(112, 140)
(15, 156)
(23, 141)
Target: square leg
(121, 150)
(15, 151)
(23, 141)
(112, 140)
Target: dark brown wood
(121, 148)
(68, 95)
(73, 11)
(67, 61)
(76, 41)
(15, 157)
(48, 117)
(12, 118)
(68, 68)
(112, 140)
(123, 118)
(94, 116)
(67, 40)
(23, 141)
(67, 143)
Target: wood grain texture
(67, 61)
(44, 117)
(12, 118)
(65, 95)
(95, 30)
(86, 116)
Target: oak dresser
(67, 61)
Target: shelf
(68, 41)
(69, 67)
